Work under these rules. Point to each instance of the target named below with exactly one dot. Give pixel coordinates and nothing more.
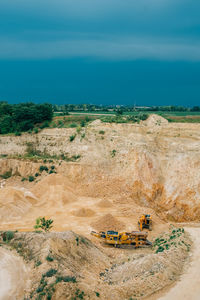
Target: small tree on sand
(44, 224)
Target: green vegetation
(73, 125)
(50, 273)
(7, 236)
(118, 114)
(43, 168)
(101, 132)
(77, 240)
(113, 153)
(6, 175)
(117, 109)
(71, 121)
(78, 295)
(72, 137)
(46, 290)
(38, 263)
(49, 258)
(66, 279)
(31, 178)
(32, 153)
(44, 224)
(35, 130)
(22, 117)
(163, 243)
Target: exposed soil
(188, 286)
(130, 170)
(14, 275)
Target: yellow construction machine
(145, 221)
(117, 239)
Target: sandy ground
(188, 287)
(13, 275)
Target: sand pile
(108, 222)
(104, 203)
(155, 121)
(83, 212)
(55, 190)
(14, 203)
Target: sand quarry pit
(103, 190)
(54, 196)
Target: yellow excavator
(145, 221)
(135, 238)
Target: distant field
(174, 116)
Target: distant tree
(6, 124)
(195, 108)
(23, 116)
(119, 112)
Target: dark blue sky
(143, 52)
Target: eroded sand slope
(154, 163)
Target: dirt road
(188, 287)
(13, 275)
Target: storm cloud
(113, 29)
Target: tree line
(66, 108)
(16, 118)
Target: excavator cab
(145, 221)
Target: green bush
(17, 133)
(72, 137)
(82, 123)
(160, 249)
(31, 178)
(66, 279)
(43, 224)
(37, 174)
(7, 236)
(43, 168)
(7, 174)
(35, 130)
(23, 179)
(83, 135)
(73, 125)
(49, 258)
(77, 240)
(38, 263)
(51, 171)
(44, 125)
(50, 273)
(113, 153)
(101, 132)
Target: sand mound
(95, 123)
(14, 203)
(108, 222)
(54, 189)
(83, 212)
(155, 121)
(104, 203)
